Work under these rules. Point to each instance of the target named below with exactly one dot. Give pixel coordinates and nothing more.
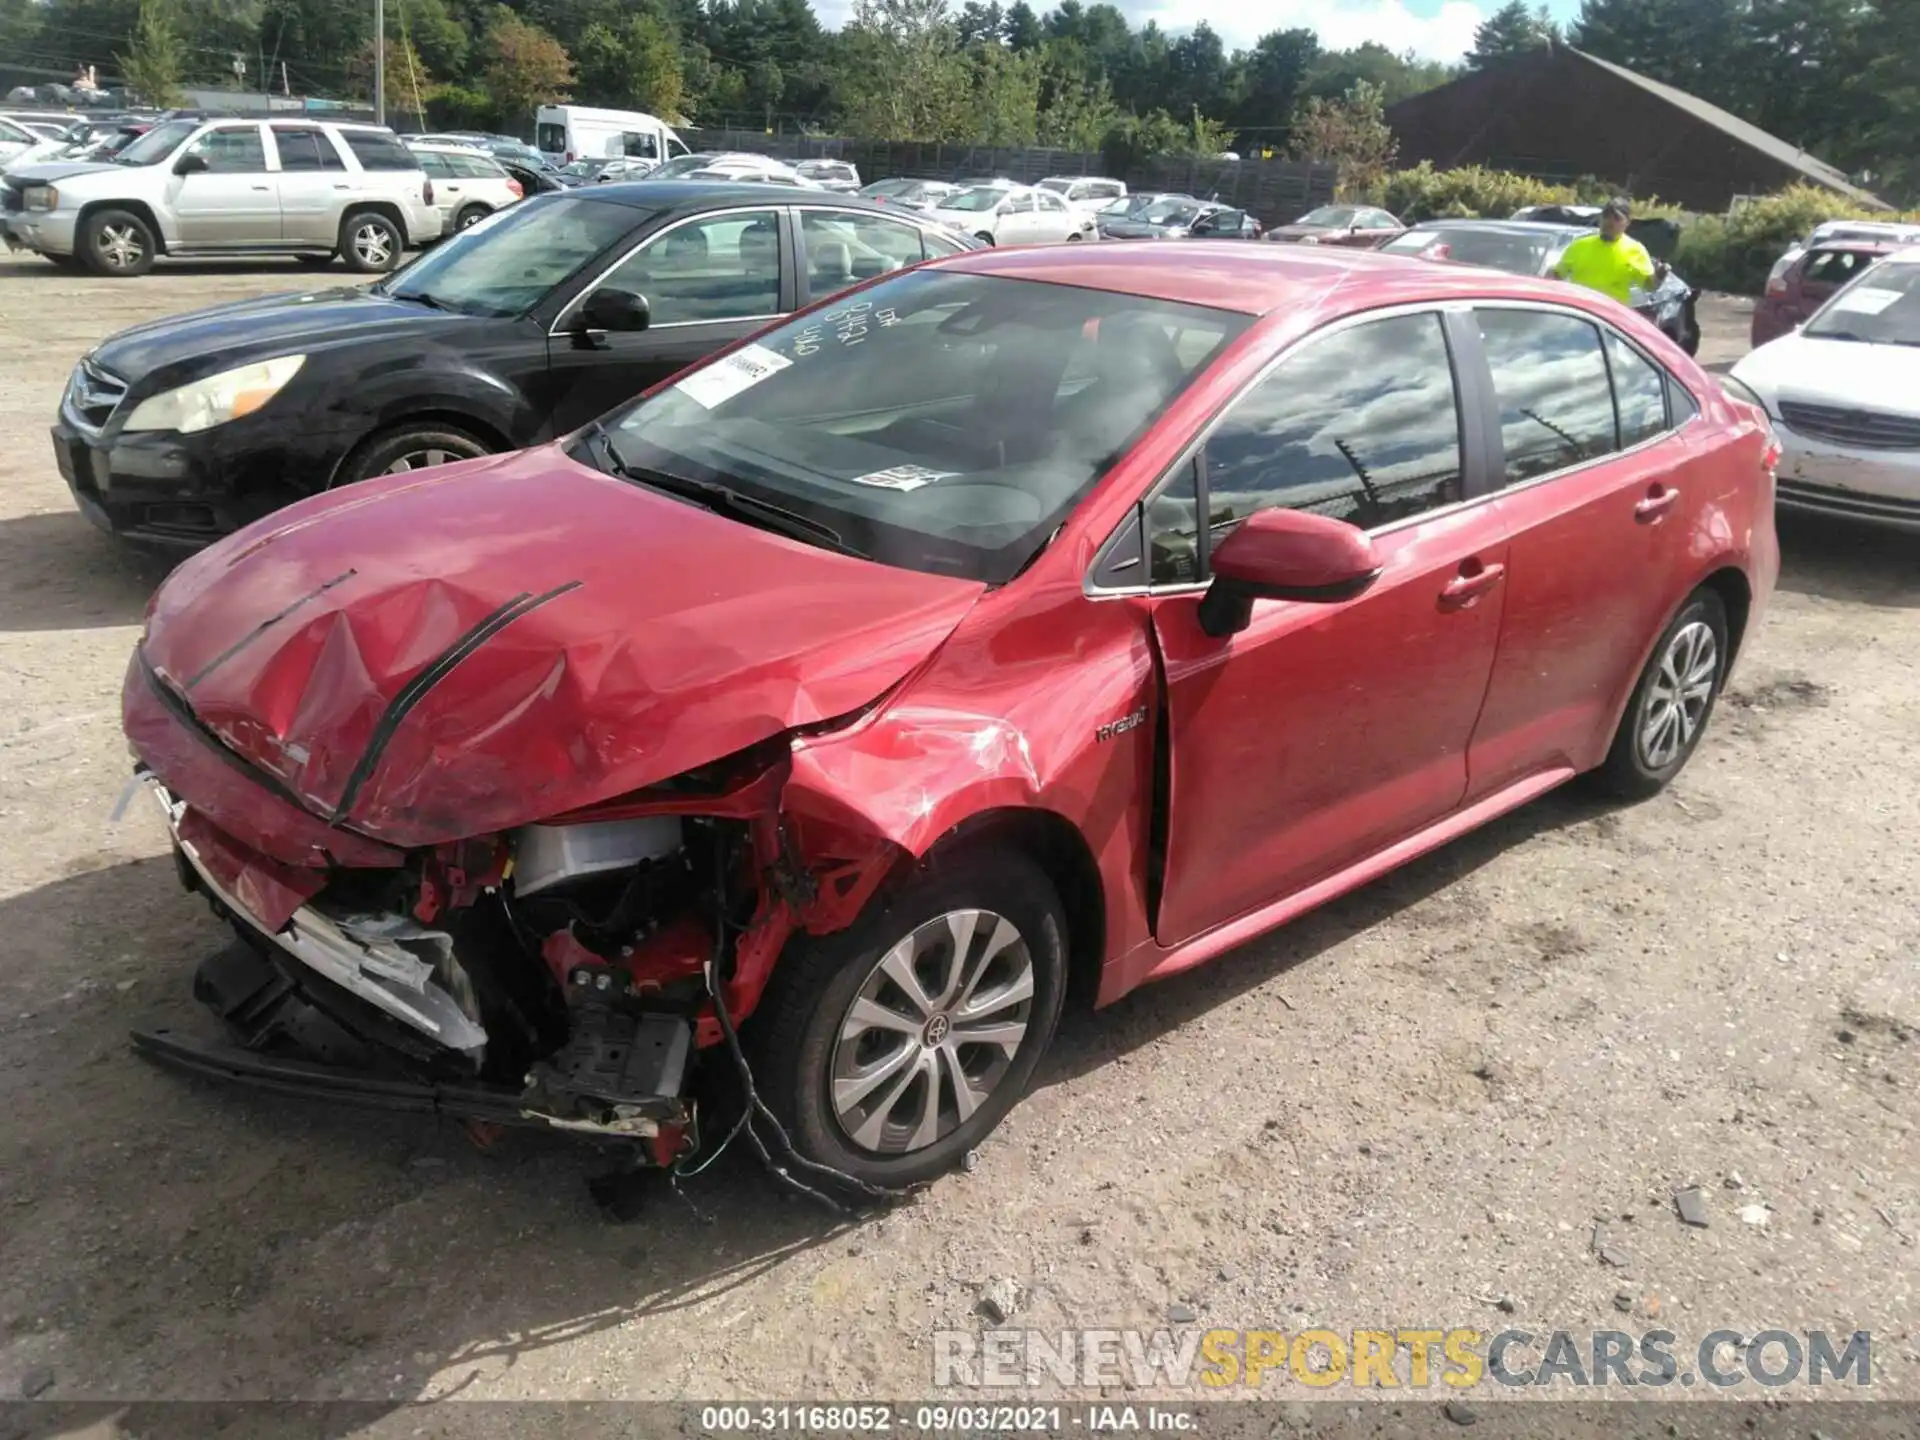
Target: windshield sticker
(904, 477)
(1868, 300)
(731, 374)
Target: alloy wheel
(422, 459)
(121, 246)
(932, 1031)
(1676, 702)
(373, 244)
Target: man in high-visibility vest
(1612, 261)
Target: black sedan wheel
(410, 447)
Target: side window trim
(782, 228)
(1472, 447)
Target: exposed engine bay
(564, 975)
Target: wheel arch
(1730, 583)
(476, 425)
(385, 209)
(1055, 844)
(132, 207)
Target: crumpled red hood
(434, 656)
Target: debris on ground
(1460, 1414)
(1609, 1253)
(1623, 1301)
(1755, 1214)
(1181, 1313)
(36, 1383)
(1734, 1182)
(1692, 1206)
(998, 1300)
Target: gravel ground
(1397, 1112)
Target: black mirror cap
(190, 165)
(615, 310)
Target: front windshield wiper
(721, 499)
(422, 297)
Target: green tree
(906, 77)
(1024, 31)
(1006, 96)
(1269, 81)
(408, 80)
(155, 58)
(528, 67)
(1350, 133)
(1336, 72)
(1511, 30)
(636, 66)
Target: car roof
(1255, 279)
(1505, 227)
(694, 195)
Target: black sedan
(522, 327)
(1533, 247)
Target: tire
(316, 262)
(983, 237)
(117, 243)
(1689, 336)
(798, 1046)
(471, 215)
(404, 448)
(1645, 756)
(370, 243)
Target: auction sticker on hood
(731, 374)
(904, 477)
(1868, 300)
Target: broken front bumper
(361, 954)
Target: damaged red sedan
(1023, 621)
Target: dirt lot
(1395, 1113)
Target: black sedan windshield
(508, 262)
(938, 421)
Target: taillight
(513, 188)
(1776, 287)
(1770, 457)
(426, 192)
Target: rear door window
(1830, 269)
(1550, 382)
(377, 151)
(1639, 392)
(847, 246)
(305, 150)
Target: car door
(708, 280)
(1324, 732)
(1600, 508)
(1054, 219)
(235, 202)
(312, 180)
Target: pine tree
(1511, 30)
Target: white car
(468, 185)
(16, 139)
(1086, 192)
(730, 165)
(1843, 392)
(837, 175)
(306, 188)
(1016, 215)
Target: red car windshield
(939, 422)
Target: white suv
(227, 187)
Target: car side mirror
(1280, 554)
(610, 310)
(190, 165)
(1003, 208)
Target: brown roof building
(1561, 113)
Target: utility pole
(380, 62)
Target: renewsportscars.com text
(1409, 1358)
